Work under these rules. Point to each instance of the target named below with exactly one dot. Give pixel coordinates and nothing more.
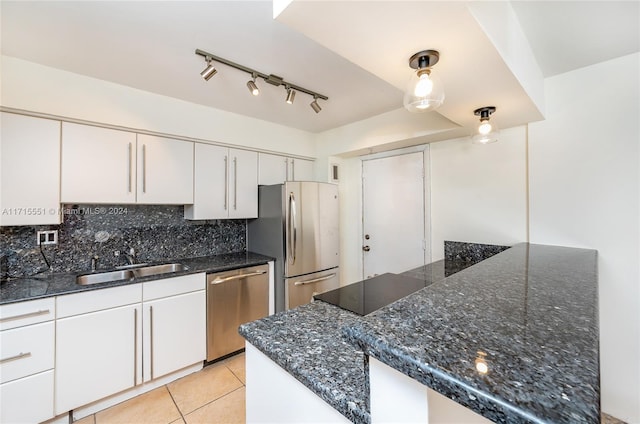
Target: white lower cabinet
(27, 400)
(98, 345)
(26, 361)
(112, 340)
(176, 329)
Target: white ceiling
(355, 52)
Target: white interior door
(393, 214)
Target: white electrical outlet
(47, 237)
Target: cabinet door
(301, 170)
(243, 189)
(27, 400)
(29, 170)
(97, 355)
(211, 184)
(175, 333)
(98, 165)
(272, 169)
(165, 171)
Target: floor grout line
(184, 420)
(217, 399)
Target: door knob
(366, 248)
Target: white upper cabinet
(101, 165)
(301, 170)
(98, 165)
(275, 169)
(165, 170)
(29, 170)
(226, 183)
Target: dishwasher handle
(220, 280)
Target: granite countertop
(55, 284)
(529, 313)
(308, 342)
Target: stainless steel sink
(104, 277)
(158, 269)
(126, 274)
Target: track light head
(209, 71)
(290, 95)
(315, 106)
(251, 85)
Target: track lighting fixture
(315, 106)
(251, 85)
(291, 89)
(290, 95)
(209, 71)
(424, 90)
(486, 132)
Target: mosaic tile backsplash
(156, 233)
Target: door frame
(426, 175)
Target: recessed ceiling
(355, 52)
(150, 45)
(576, 34)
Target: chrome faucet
(131, 256)
(94, 263)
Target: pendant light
(424, 91)
(486, 132)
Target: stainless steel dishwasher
(233, 298)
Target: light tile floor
(214, 395)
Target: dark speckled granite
(53, 284)
(307, 342)
(455, 251)
(156, 232)
(531, 310)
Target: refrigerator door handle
(292, 229)
(315, 280)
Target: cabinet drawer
(173, 286)
(97, 300)
(27, 400)
(26, 350)
(25, 313)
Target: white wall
(36, 88)
(584, 187)
(479, 192)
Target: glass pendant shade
(485, 133)
(424, 91)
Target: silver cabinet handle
(144, 168)
(237, 277)
(135, 346)
(129, 169)
(235, 183)
(315, 280)
(226, 182)
(15, 357)
(293, 170)
(292, 228)
(27, 315)
(151, 337)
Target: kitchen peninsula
(513, 338)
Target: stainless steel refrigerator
(298, 225)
